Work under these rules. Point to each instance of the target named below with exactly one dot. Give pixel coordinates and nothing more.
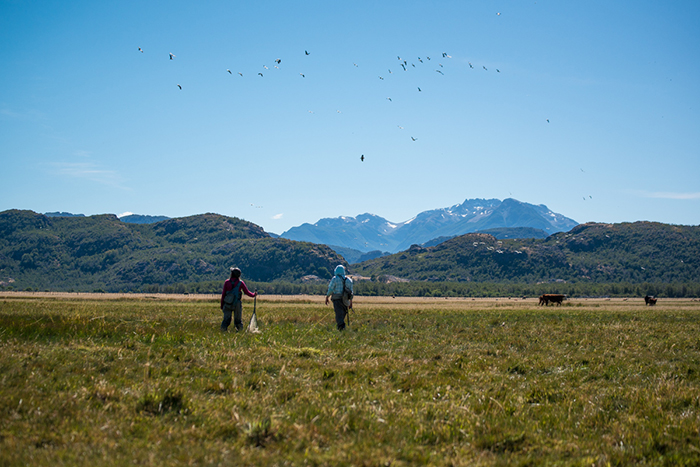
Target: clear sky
(589, 107)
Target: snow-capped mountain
(368, 232)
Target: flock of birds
(403, 63)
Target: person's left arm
(349, 282)
(246, 291)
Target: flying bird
(240, 73)
(444, 55)
(229, 71)
(400, 127)
(307, 52)
(260, 74)
(265, 67)
(497, 70)
(498, 14)
(140, 50)
(179, 87)
(547, 120)
(362, 157)
(419, 90)
(302, 75)
(482, 66)
(440, 72)
(277, 67)
(470, 65)
(389, 99)
(278, 61)
(381, 78)
(413, 138)
(420, 60)
(355, 64)
(403, 66)
(428, 58)
(172, 56)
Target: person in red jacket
(234, 288)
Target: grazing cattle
(545, 299)
(649, 300)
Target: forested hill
(628, 252)
(103, 253)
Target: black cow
(545, 299)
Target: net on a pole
(253, 326)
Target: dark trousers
(340, 312)
(237, 312)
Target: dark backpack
(347, 295)
(234, 295)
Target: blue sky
(590, 108)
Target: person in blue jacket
(336, 286)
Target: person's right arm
(330, 289)
(223, 293)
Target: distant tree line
(446, 289)
(215, 287)
(486, 289)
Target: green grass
(438, 382)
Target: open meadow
(150, 380)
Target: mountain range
(368, 232)
(88, 253)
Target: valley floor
(97, 379)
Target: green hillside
(601, 253)
(103, 253)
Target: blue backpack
(234, 295)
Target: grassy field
(144, 380)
